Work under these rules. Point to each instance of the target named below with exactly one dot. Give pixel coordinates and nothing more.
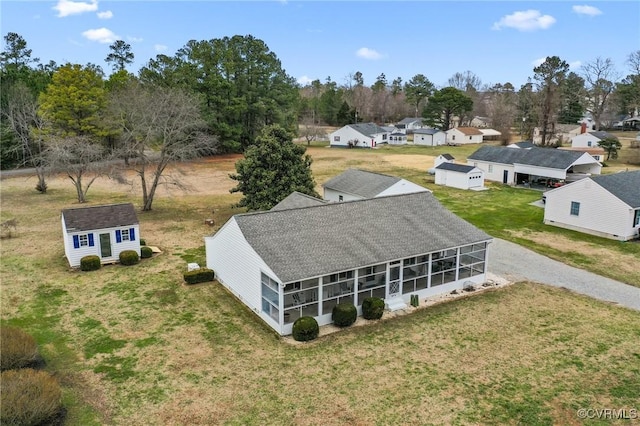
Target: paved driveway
(517, 263)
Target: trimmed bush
(90, 263)
(201, 275)
(19, 349)
(29, 397)
(129, 257)
(143, 242)
(145, 252)
(305, 329)
(372, 308)
(344, 314)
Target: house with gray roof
(605, 205)
(591, 139)
(409, 125)
(459, 176)
(284, 264)
(356, 184)
(515, 166)
(429, 137)
(360, 135)
(104, 231)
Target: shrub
(344, 314)
(90, 263)
(143, 242)
(145, 252)
(305, 329)
(28, 397)
(372, 308)
(199, 276)
(129, 257)
(19, 349)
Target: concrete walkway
(517, 263)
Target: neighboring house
(606, 205)
(363, 135)
(355, 184)
(516, 166)
(297, 200)
(443, 158)
(522, 145)
(397, 138)
(302, 262)
(561, 133)
(104, 231)
(590, 139)
(597, 153)
(490, 134)
(480, 122)
(463, 135)
(429, 137)
(459, 176)
(409, 125)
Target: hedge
(29, 397)
(129, 257)
(372, 308)
(199, 276)
(344, 314)
(145, 252)
(305, 329)
(90, 263)
(19, 349)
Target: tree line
(217, 95)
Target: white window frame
(575, 208)
(83, 240)
(124, 235)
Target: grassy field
(133, 345)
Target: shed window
(336, 138)
(636, 218)
(125, 235)
(575, 208)
(490, 168)
(83, 240)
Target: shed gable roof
(468, 131)
(623, 185)
(99, 217)
(462, 168)
(360, 182)
(313, 241)
(296, 200)
(427, 131)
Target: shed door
(505, 176)
(105, 245)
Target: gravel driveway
(517, 263)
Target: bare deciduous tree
(159, 126)
(600, 76)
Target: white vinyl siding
(601, 213)
(460, 180)
(497, 172)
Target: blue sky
(499, 41)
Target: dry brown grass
(138, 347)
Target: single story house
(409, 125)
(560, 133)
(364, 135)
(104, 231)
(590, 139)
(478, 121)
(355, 184)
(303, 261)
(606, 205)
(516, 166)
(443, 158)
(463, 135)
(459, 176)
(429, 137)
(597, 152)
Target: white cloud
(101, 35)
(304, 80)
(575, 65)
(366, 53)
(539, 61)
(159, 47)
(528, 20)
(133, 39)
(586, 10)
(67, 7)
(107, 14)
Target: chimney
(583, 128)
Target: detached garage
(459, 176)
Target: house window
(384, 137)
(589, 143)
(490, 168)
(336, 138)
(340, 198)
(453, 137)
(125, 235)
(270, 297)
(83, 240)
(636, 218)
(470, 137)
(575, 208)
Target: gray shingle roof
(624, 185)
(296, 200)
(542, 157)
(409, 120)
(603, 135)
(99, 217)
(455, 167)
(361, 183)
(368, 129)
(524, 144)
(314, 241)
(427, 131)
(448, 156)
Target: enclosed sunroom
(302, 262)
